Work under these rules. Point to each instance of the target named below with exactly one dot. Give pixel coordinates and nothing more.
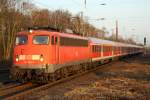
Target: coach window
(110, 48)
(100, 48)
(56, 40)
(107, 48)
(97, 48)
(92, 48)
(52, 40)
(104, 49)
(113, 48)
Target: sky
(133, 16)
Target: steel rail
(8, 86)
(15, 89)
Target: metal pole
(116, 30)
(82, 25)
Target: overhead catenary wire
(44, 5)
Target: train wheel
(52, 77)
(64, 72)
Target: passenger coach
(109, 50)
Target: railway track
(23, 91)
(9, 85)
(25, 94)
(2, 71)
(15, 88)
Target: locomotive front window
(21, 40)
(40, 39)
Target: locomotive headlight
(17, 58)
(41, 58)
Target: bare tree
(40, 18)
(9, 26)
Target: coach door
(55, 49)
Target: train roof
(70, 35)
(100, 41)
(40, 32)
(108, 42)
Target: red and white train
(43, 56)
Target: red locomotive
(43, 56)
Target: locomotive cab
(34, 51)
(31, 49)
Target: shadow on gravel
(4, 78)
(4, 71)
(144, 60)
(137, 76)
(141, 59)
